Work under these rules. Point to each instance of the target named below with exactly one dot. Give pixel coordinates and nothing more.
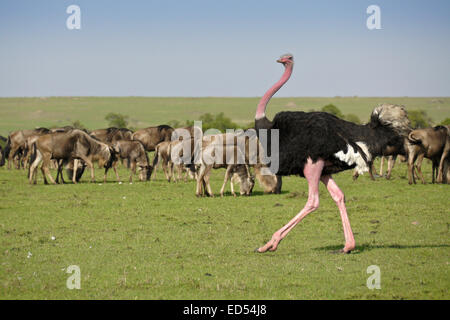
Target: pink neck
(261, 109)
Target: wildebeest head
(145, 172)
(247, 185)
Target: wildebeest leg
(206, 180)
(232, 187)
(59, 173)
(412, 157)
(179, 169)
(435, 169)
(45, 169)
(199, 189)
(74, 173)
(170, 175)
(114, 166)
(371, 169)
(391, 163)
(11, 156)
(33, 167)
(445, 154)
(225, 180)
(132, 170)
(91, 166)
(381, 166)
(419, 167)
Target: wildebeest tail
(414, 139)
(6, 151)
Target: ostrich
(316, 145)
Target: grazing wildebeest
(224, 150)
(15, 145)
(238, 173)
(433, 144)
(151, 136)
(134, 152)
(74, 144)
(111, 135)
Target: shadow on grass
(368, 247)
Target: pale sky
(224, 48)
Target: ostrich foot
(272, 245)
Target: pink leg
(339, 198)
(312, 172)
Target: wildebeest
(224, 150)
(162, 156)
(74, 144)
(170, 155)
(433, 144)
(81, 166)
(151, 136)
(111, 135)
(15, 145)
(134, 152)
(238, 173)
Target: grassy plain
(156, 240)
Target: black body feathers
(320, 135)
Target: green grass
(156, 240)
(21, 113)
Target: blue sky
(223, 48)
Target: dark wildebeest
(433, 144)
(111, 135)
(151, 136)
(15, 145)
(134, 152)
(72, 145)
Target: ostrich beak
(279, 61)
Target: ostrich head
(286, 59)
(288, 62)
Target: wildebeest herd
(314, 145)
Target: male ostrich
(316, 145)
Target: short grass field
(156, 240)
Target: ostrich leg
(338, 197)
(312, 172)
